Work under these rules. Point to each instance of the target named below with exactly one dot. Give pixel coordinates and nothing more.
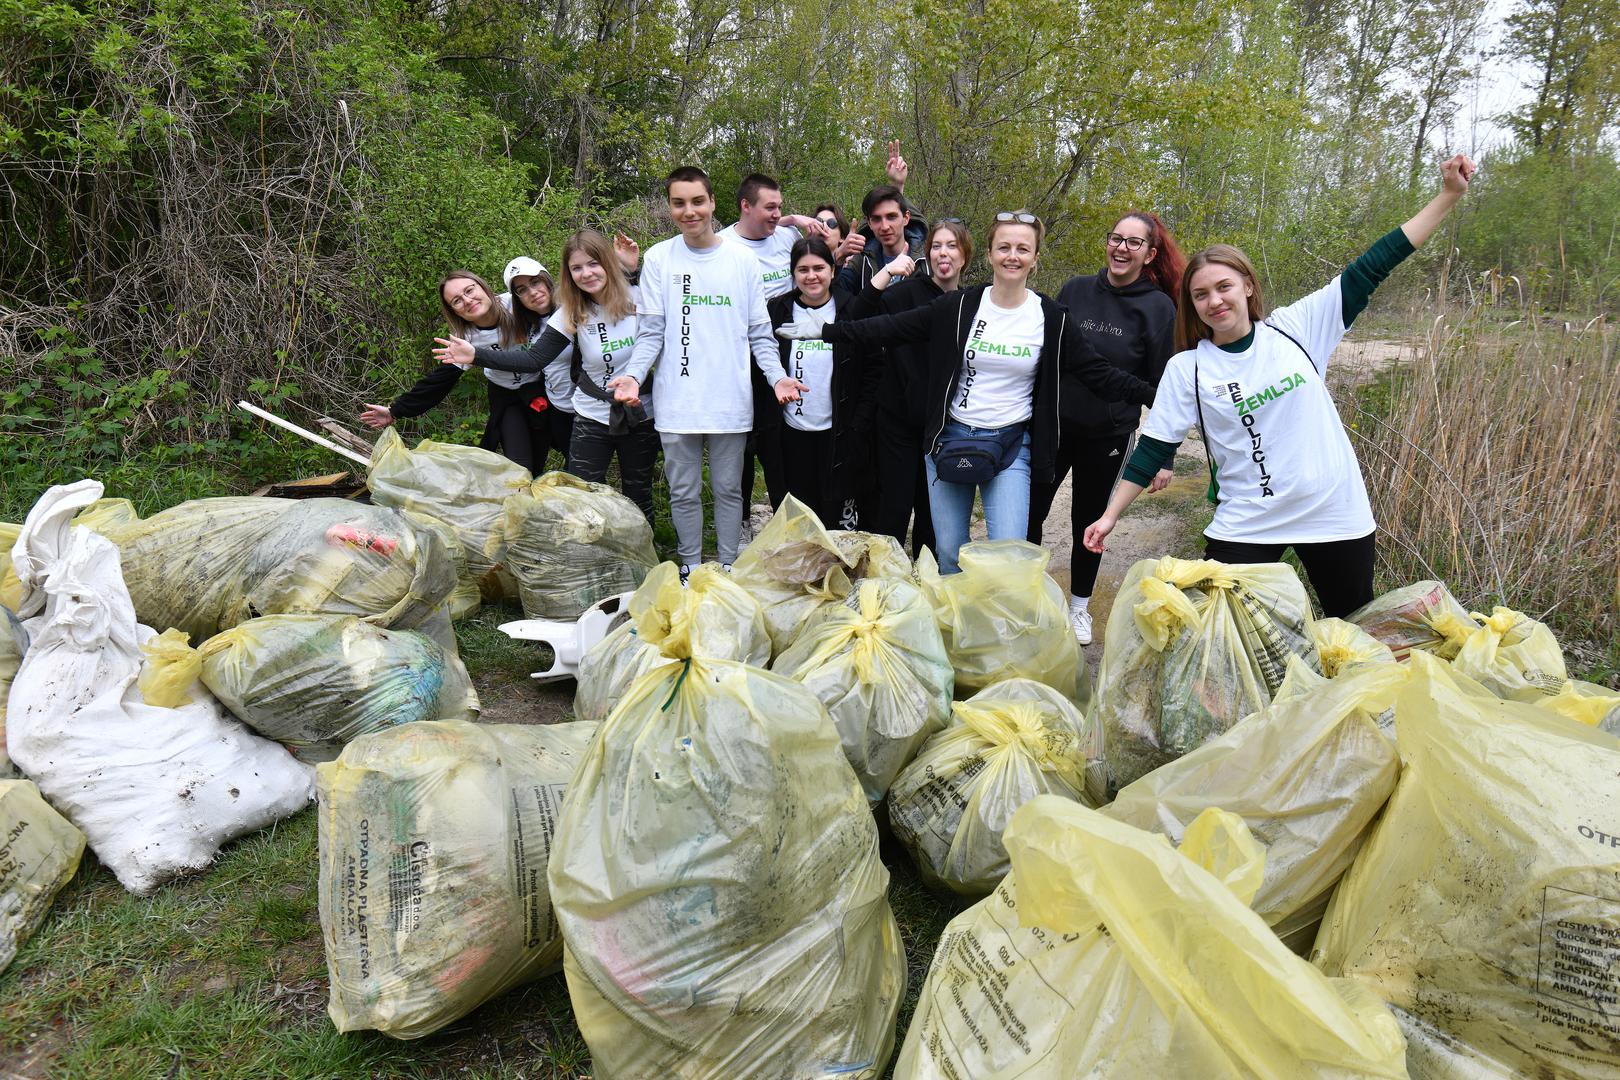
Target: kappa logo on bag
(964, 463)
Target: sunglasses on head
(1019, 216)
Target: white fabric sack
(156, 791)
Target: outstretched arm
(1080, 361)
(526, 359)
(915, 325)
(1361, 277)
(1455, 175)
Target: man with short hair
(889, 218)
(701, 313)
(765, 231)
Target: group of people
(871, 384)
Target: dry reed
(1492, 465)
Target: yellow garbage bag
(1590, 704)
(1513, 656)
(1423, 615)
(1485, 903)
(794, 568)
(313, 682)
(1007, 744)
(1341, 645)
(11, 590)
(206, 565)
(717, 878)
(570, 543)
(13, 645)
(1107, 953)
(434, 839)
(1308, 774)
(712, 617)
(872, 555)
(878, 664)
(467, 597)
(1192, 648)
(464, 486)
(1004, 618)
(39, 853)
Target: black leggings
(1096, 464)
(1341, 571)
(593, 447)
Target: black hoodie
(1133, 328)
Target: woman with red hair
(1127, 311)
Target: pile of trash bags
(1265, 844)
(434, 842)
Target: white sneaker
(1080, 621)
(686, 572)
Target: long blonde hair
(460, 327)
(1190, 329)
(614, 298)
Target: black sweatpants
(1341, 571)
(560, 437)
(1096, 464)
(902, 486)
(766, 445)
(807, 468)
(593, 447)
(523, 435)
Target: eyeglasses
(1129, 243)
(1018, 216)
(466, 296)
(952, 220)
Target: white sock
(1078, 603)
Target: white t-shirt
(708, 299)
(775, 273)
(559, 374)
(480, 336)
(1283, 462)
(811, 362)
(996, 386)
(604, 350)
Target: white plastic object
(569, 641)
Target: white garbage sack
(156, 791)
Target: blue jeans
(1006, 502)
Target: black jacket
(900, 386)
(437, 384)
(1132, 328)
(853, 387)
(945, 325)
(855, 274)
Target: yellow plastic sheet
(13, 644)
(39, 853)
(207, 565)
(1107, 953)
(10, 587)
(1341, 645)
(1423, 616)
(1193, 647)
(1004, 618)
(717, 879)
(1485, 902)
(1513, 656)
(313, 682)
(1007, 744)
(1308, 774)
(872, 555)
(711, 618)
(878, 664)
(464, 486)
(434, 839)
(571, 543)
(794, 568)
(1590, 704)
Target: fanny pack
(977, 459)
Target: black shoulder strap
(1298, 346)
(1214, 492)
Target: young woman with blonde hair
(1282, 471)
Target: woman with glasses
(990, 385)
(596, 325)
(1127, 311)
(1282, 471)
(517, 425)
